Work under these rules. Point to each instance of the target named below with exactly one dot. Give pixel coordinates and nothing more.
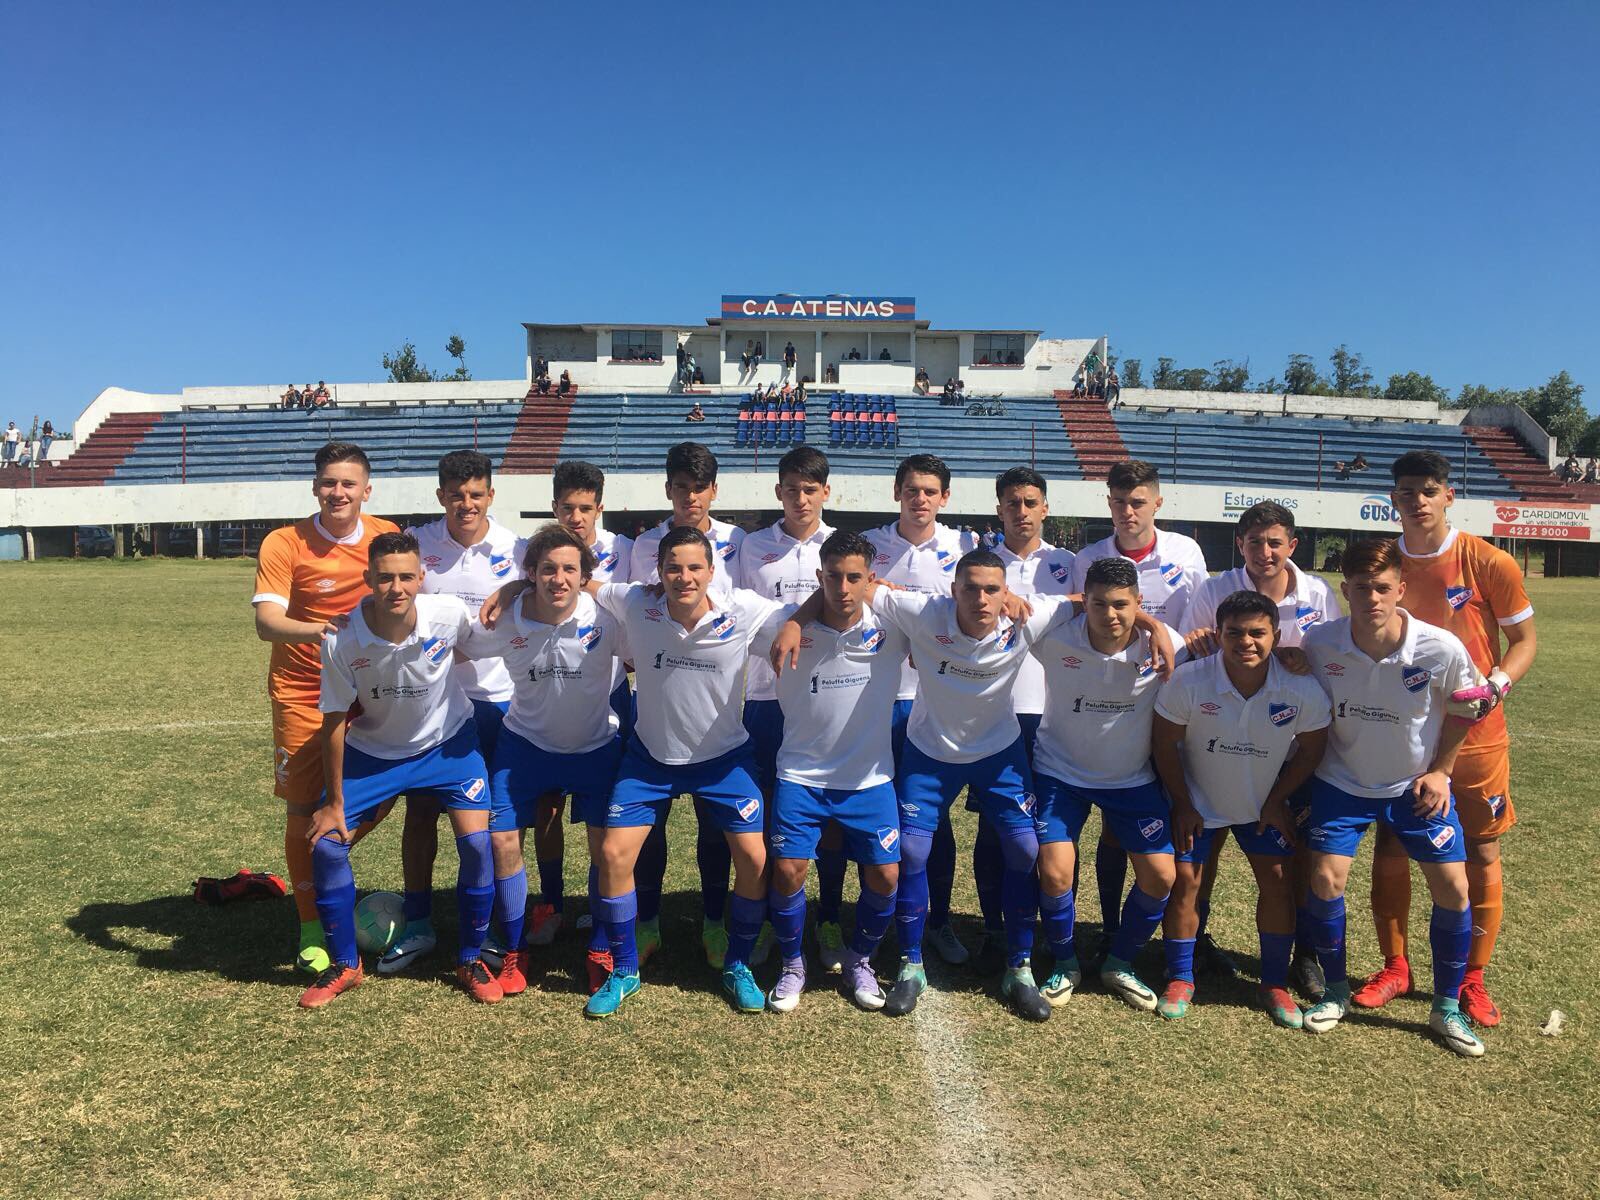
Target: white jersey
(411, 700)
(928, 568)
(1168, 575)
(689, 681)
(613, 557)
(781, 568)
(1045, 572)
(561, 675)
(725, 540)
(963, 707)
(1233, 748)
(1309, 601)
(838, 704)
(1099, 709)
(472, 574)
(1386, 714)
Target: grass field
(152, 1047)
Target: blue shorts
(763, 721)
(646, 788)
(626, 708)
(489, 715)
(1137, 815)
(1030, 734)
(927, 787)
(1338, 821)
(522, 773)
(869, 819)
(453, 771)
(897, 730)
(1270, 843)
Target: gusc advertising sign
(821, 308)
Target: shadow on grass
(249, 942)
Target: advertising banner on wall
(821, 308)
(1564, 522)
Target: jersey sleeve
(275, 568)
(1503, 587)
(1180, 652)
(900, 608)
(1201, 611)
(1459, 669)
(476, 641)
(1172, 701)
(338, 682)
(761, 641)
(1316, 712)
(622, 547)
(613, 597)
(1048, 612)
(756, 609)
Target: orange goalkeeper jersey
(315, 578)
(1471, 588)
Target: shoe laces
(330, 975)
(478, 973)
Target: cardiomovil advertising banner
(1564, 522)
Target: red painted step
(1092, 432)
(92, 463)
(1529, 475)
(535, 444)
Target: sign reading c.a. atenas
(821, 308)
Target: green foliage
(1414, 386)
(403, 366)
(1558, 406)
(1589, 444)
(1132, 373)
(1229, 376)
(1300, 377)
(1166, 376)
(1350, 374)
(456, 348)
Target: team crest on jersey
(1150, 828)
(887, 836)
(1497, 805)
(871, 642)
(606, 561)
(943, 640)
(946, 560)
(435, 650)
(1147, 667)
(1072, 662)
(1416, 678)
(1060, 571)
(1305, 617)
(588, 636)
(1459, 597)
(1442, 837)
(722, 627)
(518, 642)
(1027, 803)
(499, 566)
(1171, 573)
(748, 808)
(1006, 640)
(1282, 714)
(1277, 838)
(474, 789)
(652, 614)
(1333, 668)
(359, 663)
(1210, 708)
(724, 549)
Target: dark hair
(923, 464)
(805, 461)
(684, 535)
(979, 558)
(1264, 516)
(1246, 604)
(338, 452)
(575, 475)
(1111, 573)
(1019, 477)
(555, 537)
(391, 543)
(1429, 464)
(695, 461)
(1370, 556)
(461, 465)
(846, 543)
(1132, 473)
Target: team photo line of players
(826, 696)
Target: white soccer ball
(379, 919)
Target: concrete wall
(1520, 421)
(1276, 404)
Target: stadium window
(997, 349)
(636, 345)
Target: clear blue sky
(227, 194)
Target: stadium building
(210, 469)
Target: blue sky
(215, 194)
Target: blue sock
(474, 893)
(418, 907)
(744, 923)
(1327, 936)
(1202, 910)
(1449, 937)
(1275, 951)
(550, 882)
(788, 917)
(1110, 873)
(1180, 958)
(651, 870)
(988, 866)
(1020, 890)
(336, 899)
(911, 901)
(830, 884)
(1140, 917)
(1305, 941)
(1060, 915)
(597, 928)
(511, 906)
(941, 872)
(873, 914)
(617, 914)
(715, 859)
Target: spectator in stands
(541, 367)
(1341, 469)
(854, 355)
(48, 435)
(1012, 360)
(12, 437)
(1113, 387)
(791, 358)
(748, 358)
(1358, 463)
(291, 398)
(757, 354)
(565, 385)
(1571, 471)
(961, 387)
(696, 413)
(322, 396)
(921, 383)
(885, 356)
(699, 376)
(830, 373)
(1591, 473)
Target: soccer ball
(379, 919)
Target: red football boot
(336, 979)
(512, 979)
(479, 984)
(1383, 986)
(599, 964)
(1475, 1000)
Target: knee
(615, 857)
(915, 847)
(1156, 874)
(1185, 881)
(749, 856)
(1481, 853)
(883, 879)
(507, 852)
(1326, 884)
(788, 875)
(1020, 849)
(328, 853)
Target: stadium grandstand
(862, 378)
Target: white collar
(366, 635)
(1444, 547)
(353, 538)
(818, 535)
(1008, 555)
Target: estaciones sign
(821, 308)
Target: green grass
(153, 1048)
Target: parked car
(96, 541)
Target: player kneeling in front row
(415, 733)
(560, 734)
(1392, 747)
(836, 763)
(1236, 735)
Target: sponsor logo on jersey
(1060, 571)
(871, 640)
(887, 836)
(1416, 678)
(1151, 827)
(1171, 573)
(518, 642)
(1442, 837)
(771, 558)
(1211, 708)
(652, 614)
(1305, 617)
(1282, 714)
(1333, 668)
(805, 642)
(615, 810)
(474, 789)
(882, 558)
(431, 560)
(435, 649)
(588, 636)
(722, 627)
(748, 808)
(359, 663)
(778, 839)
(1071, 662)
(1459, 597)
(327, 585)
(910, 810)
(499, 566)
(943, 640)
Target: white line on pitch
(102, 730)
